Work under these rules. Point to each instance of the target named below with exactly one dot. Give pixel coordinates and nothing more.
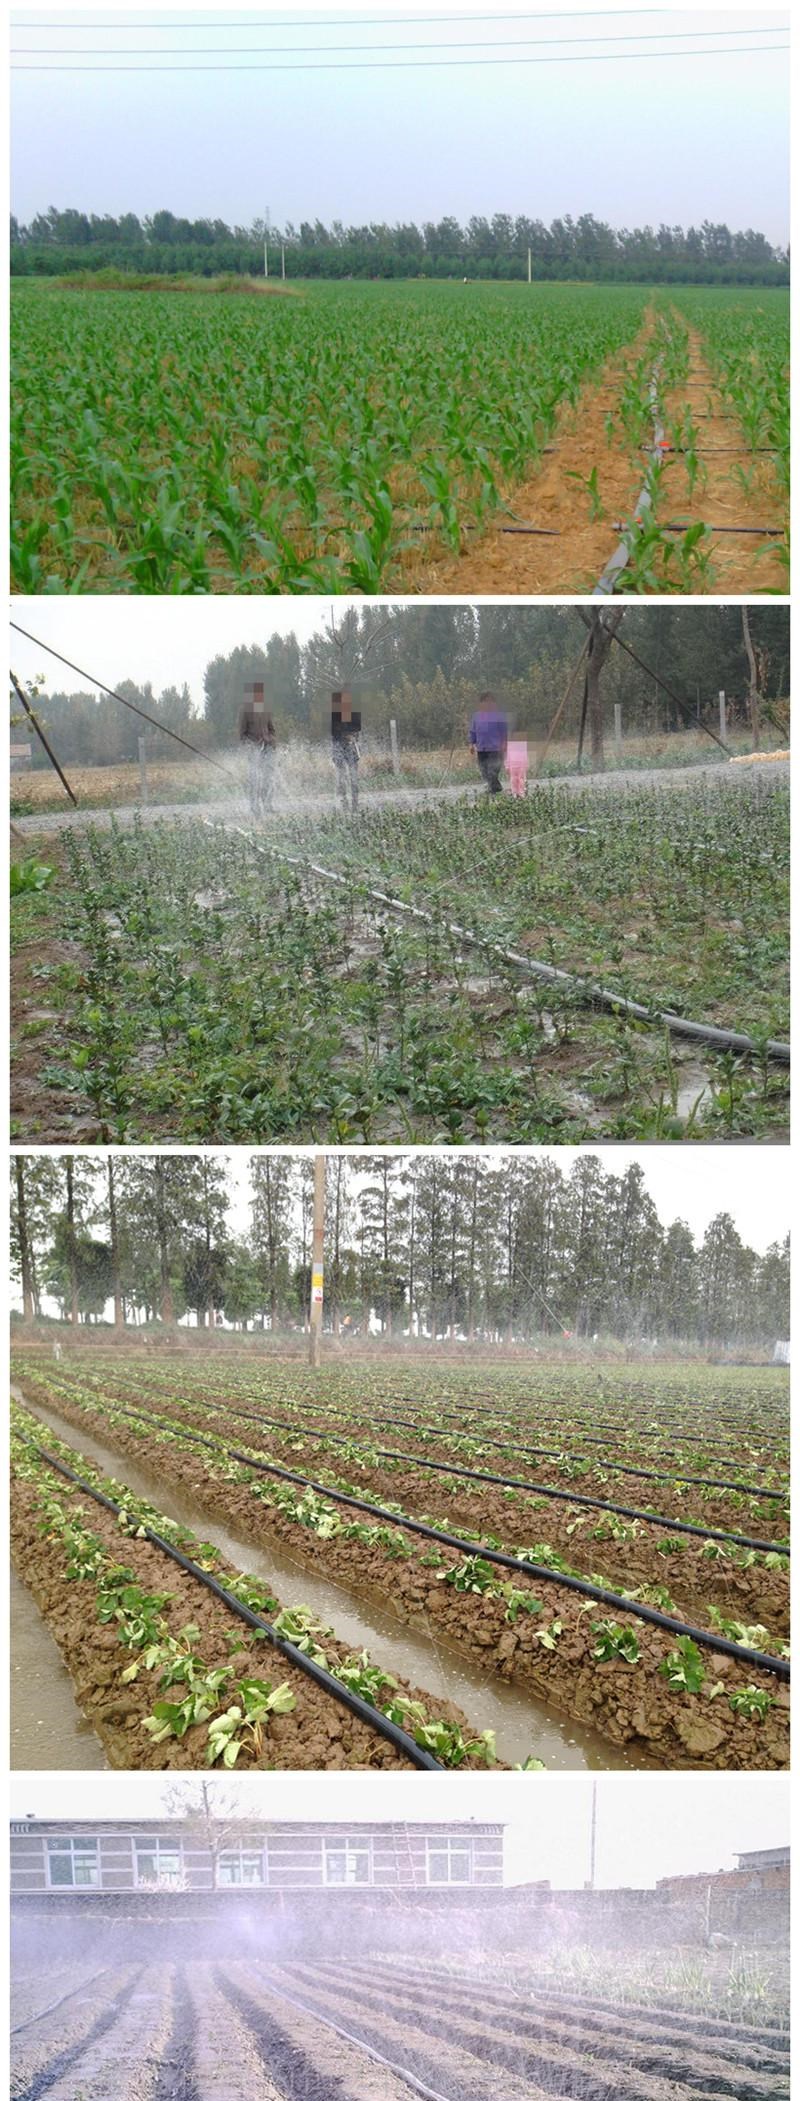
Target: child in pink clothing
(517, 764)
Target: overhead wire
(630, 36)
(401, 65)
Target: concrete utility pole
(317, 1262)
(593, 1838)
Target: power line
(113, 695)
(402, 65)
(581, 14)
(471, 44)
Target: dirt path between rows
(739, 564)
(715, 771)
(507, 565)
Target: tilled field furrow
(31, 1997)
(665, 2014)
(756, 1595)
(450, 2071)
(557, 2067)
(303, 2061)
(709, 2056)
(176, 2076)
(622, 1700)
(226, 2062)
(43, 2062)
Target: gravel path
(236, 812)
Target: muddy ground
(626, 1702)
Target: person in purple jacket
(488, 737)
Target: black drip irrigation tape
(607, 583)
(84, 1986)
(591, 994)
(553, 1451)
(681, 525)
(387, 2064)
(398, 1738)
(477, 1435)
(466, 1473)
(777, 1665)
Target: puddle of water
(48, 1731)
(524, 1727)
(693, 1085)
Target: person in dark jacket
(345, 726)
(257, 734)
(488, 737)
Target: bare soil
(627, 1703)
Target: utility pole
(317, 1262)
(529, 266)
(266, 242)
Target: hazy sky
(648, 1825)
(605, 124)
(167, 641)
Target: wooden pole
(723, 721)
(560, 710)
(317, 1262)
(21, 695)
(393, 740)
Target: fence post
(618, 729)
(723, 720)
(393, 739)
(143, 788)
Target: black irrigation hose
(589, 1437)
(373, 1717)
(591, 994)
(466, 1473)
(409, 2079)
(55, 2003)
(537, 1451)
(775, 1664)
(548, 1451)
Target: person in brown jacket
(257, 734)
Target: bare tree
(602, 629)
(211, 1812)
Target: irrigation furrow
(535, 1488)
(73, 2053)
(379, 1723)
(552, 2052)
(758, 1659)
(290, 2051)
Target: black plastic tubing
(776, 1665)
(397, 1737)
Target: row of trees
(424, 664)
(433, 1245)
(584, 249)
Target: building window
(158, 1860)
(448, 1860)
(347, 1861)
(73, 1863)
(241, 1867)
